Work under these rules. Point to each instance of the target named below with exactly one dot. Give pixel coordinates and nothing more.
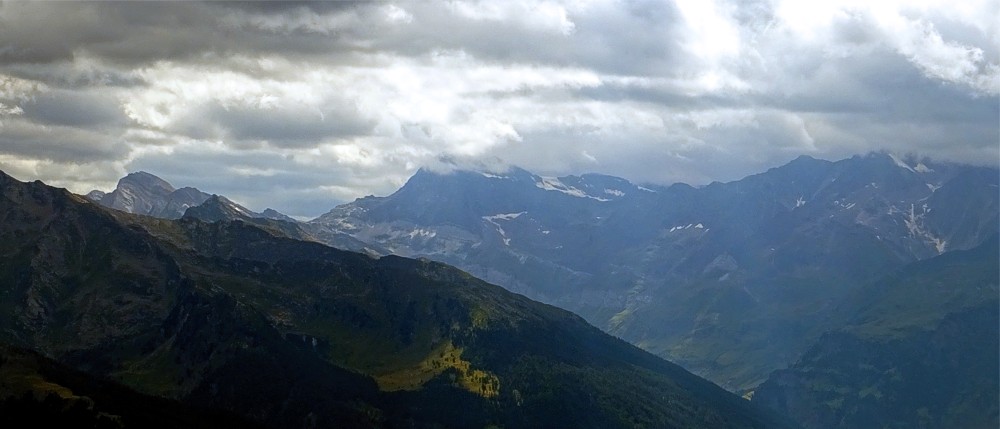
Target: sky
(303, 106)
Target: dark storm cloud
(637, 37)
(633, 37)
(270, 7)
(133, 33)
(67, 76)
(881, 85)
(75, 109)
(27, 140)
(286, 126)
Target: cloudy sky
(303, 106)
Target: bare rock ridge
(146, 194)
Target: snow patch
(843, 204)
(750, 294)
(933, 187)
(503, 216)
(342, 224)
(800, 202)
(614, 192)
(422, 233)
(493, 176)
(688, 226)
(554, 184)
(901, 164)
(914, 223)
(921, 168)
(643, 188)
(241, 210)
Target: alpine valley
(860, 293)
(873, 278)
(113, 319)
(731, 280)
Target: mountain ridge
(144, 193)
(620, 253)
(187, 309)
(619, 257)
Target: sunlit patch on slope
(441, 360)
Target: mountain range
(239, 317)
(732, 280)
(761, 282)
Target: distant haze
(301, 106)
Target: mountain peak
(146, 181)
(803, 159)
(217, 208)
(270, 213)
(95, 195)
(144, 193)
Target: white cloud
(922, 44)
(711, 34)
(908, 29)
(541, 15)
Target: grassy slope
(920, 352)
(47, 393)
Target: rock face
(288, 333)
(216, 208)
(922, 351)
(733, 280)
(146, 194)
(273, 214)
(220, 209)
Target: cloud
(80, 109)
(303, 105)
(62, 144)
